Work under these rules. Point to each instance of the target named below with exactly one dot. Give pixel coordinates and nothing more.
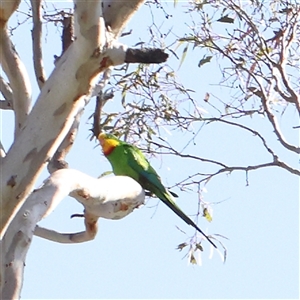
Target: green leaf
(198, 247)
(207, 214)
(181, 246)
(105, 174)
(204, 60)
(186, 39)
(193, 260)
(261, 52)
(183, 55)
(206, 97)
(124, 95)
(226, 19)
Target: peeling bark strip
(146, 56)
(67, 34)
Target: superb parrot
(128, 160)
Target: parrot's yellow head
(108, 142)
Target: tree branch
(37, 43)
(264, 99)
(100, 198)
(62, 96)
(18, 79)
(224, 168)
(99, 87)
(7, 9)
(230, 169)
(5, 105)
(287, 39)
(67, 34)
(254, 132)
(175, 152)
(117, 13)
(273, 120)
(276, 163)
(6, 92)
(70, 238)
(58, 160)
(145, 56)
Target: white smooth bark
(18, 78)
(118, 12)
(107, 197)
(62, 96)
(36, 34)
(7, 7)
(6, 91)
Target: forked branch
(99, 197)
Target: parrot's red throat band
(108, 145)
(108, 149)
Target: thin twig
(273, 120)
(208, 176)
(254, 132)
(101, 99)
(228, 169)
(264, 100)
(175, 152)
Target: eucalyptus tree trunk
(44, 133)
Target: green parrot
(128, 160)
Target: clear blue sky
(135, 257)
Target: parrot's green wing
(148, 177)
(150, 180)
